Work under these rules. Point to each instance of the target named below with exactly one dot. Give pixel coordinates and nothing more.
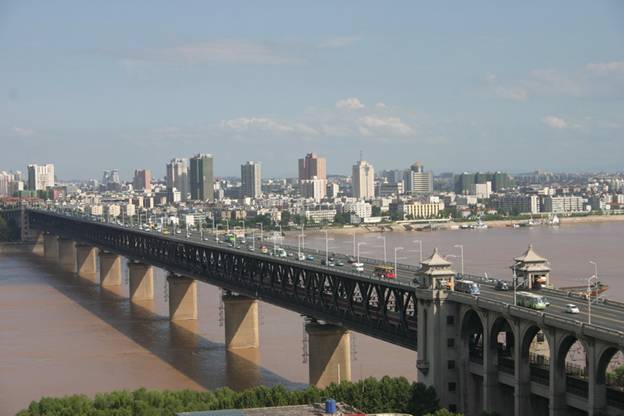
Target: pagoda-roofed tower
(436, 273)
(532, 270)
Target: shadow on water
(207, 363)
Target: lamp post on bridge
(396, 250)
(261, 231)
(461, 249)
(384, 247)
(589, 279)
(358, 250)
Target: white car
(571, 308)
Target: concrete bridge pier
(241, 322)
(141, 278)
(522, 370)
(67, 254)
(50, 247)
(329, 347)
(86, 257)
(110, 269)
(182, 298)
(557, 379)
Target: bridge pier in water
(241, 322)
(182, 297)
(50, 246)
(141, 277)
(110, 269)
(86, 258)
(67, 254)
(329, 348)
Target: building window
(450, 320)
(451, 364)
(450, 342)
(452, 387)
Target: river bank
(451, 225)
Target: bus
(531, 300)
(467, 286)
(385, 271)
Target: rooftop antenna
(360, 155)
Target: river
(60, 335)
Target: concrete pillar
(241, 322)
(329, 348)
(491, 391)
(597, 388)
(141, 278)
(557, 379)
(67, 254)
(522, 390)
(86, 257)
(182, 298)
(110, 269)
(50, 247)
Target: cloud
(602, 80)
(256, 123)
(373, 125)
(338, 42)
(349, 104)
(22, 132)
(511, 93)
(555, 122)
(214, 52)
(381, 105)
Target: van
(358, 267)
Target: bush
(369, 395)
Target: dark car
(500, 285)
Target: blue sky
(458, 85)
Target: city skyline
(462, 91)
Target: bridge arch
(573, 370)
(604, 359)
(472, 334)
(501, 343)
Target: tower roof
(435, 260)
(530, 256)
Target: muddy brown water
(60, 335)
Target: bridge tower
(437, 351)
(532, 269)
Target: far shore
(394, 227)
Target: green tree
(443, 412)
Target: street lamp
(396, 250)
(302, 238)
(326, 247)
(461, 249)
(384, 247)
(589, 279)
(419, 248)
(354, 244)
(253, 240)
(358, 250)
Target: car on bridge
(572, 308)
(501, 285)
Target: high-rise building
(142, 180)
(417, 181)
(202, 179)
(111, 177)
(363, 180)
(312, 166)
(5, 180)
(178, 177)
(40, 177)
(313, 188)
(251, 179)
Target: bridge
(478, 351)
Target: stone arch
(563, 348)
(604, 359)
(499, 325)
(527, 337)
(472, 333)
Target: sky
(459, 86)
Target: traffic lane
(601, 315)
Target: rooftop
(316, 409)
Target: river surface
(61, 335)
